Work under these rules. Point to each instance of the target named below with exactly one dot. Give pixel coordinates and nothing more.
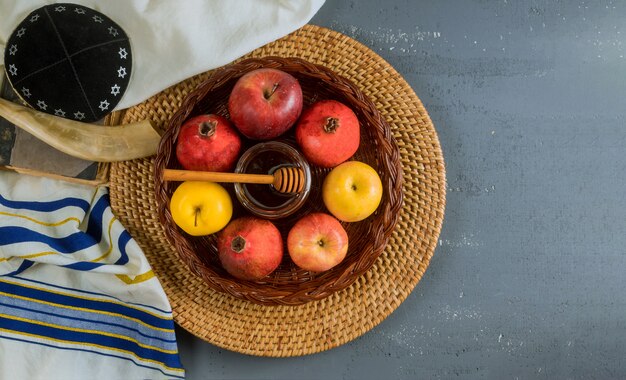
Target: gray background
(528, 278)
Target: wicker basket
(288, 285)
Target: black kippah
(69, 60)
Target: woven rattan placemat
(248, 328)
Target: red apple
(209, 143)
(328, 133)
(317, 242)
(265, 103)
(250, 248)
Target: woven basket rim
(383, 222)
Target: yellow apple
(352, 191)
(201, 208)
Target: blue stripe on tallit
(93, 352)
(17, 326)
(84, 265)
(68, 244)
(96, 306)
(91, 293)
(94, 226)
(109, 323)
(123, 239)
(45, 206)
(23, 266)
(75, 242)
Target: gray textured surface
(528, 279)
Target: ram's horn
(87, 141)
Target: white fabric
(85, 210)
(173, 40)
(78, 298)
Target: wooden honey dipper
(287, 179)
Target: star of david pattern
(104, 105)
(80, 83)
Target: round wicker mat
(253, 329)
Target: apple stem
(332, 123)
(195, 217)
(238, 244)
(272, 91)
(207, 128)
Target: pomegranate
(250, 248)
(209, 143)
(328, 133)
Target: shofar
(87, 141)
